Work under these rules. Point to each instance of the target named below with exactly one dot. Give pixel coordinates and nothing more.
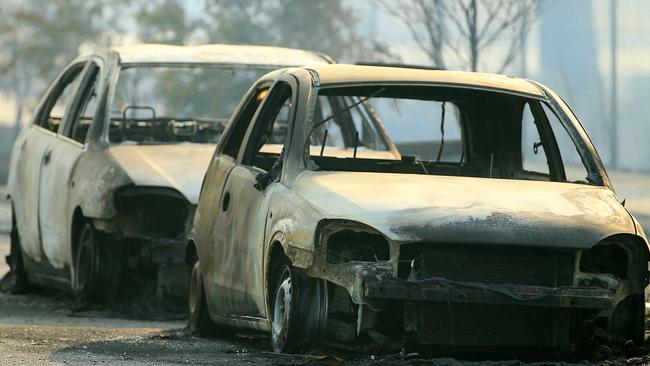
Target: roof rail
(394, 64)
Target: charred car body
(108, 174)
(504, 231)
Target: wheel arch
(77, 219)
(276, 255)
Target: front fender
(95, 179)
(291, 222)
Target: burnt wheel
(198, 318)
(15, 281)
(97, 267)
(299, 310)
(628, 320)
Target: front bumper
(447, 291)
(441, 312)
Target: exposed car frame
(260, 231)
(86, 202)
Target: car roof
(329, 75)
(219, 54)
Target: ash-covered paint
(239, 231)
(55, 181)
(408, 208)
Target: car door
(208, 234)
(54, 214)
(240, 267)
(32, 155)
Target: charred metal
(105, 180)
(307, 201)
(153, 213)
(444, 295)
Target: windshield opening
(442, 131)
(170, 103)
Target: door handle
(47, 157)
(225, 201)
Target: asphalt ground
(40, 328)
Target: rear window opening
(175, 103)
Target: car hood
(178, 166)
(444, 209)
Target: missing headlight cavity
(150, 212)
(348, 245)
(606, 259)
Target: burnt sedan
(489, 222)
(107, 177)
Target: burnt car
(495, 225)
(107, 176)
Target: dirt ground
(40, 329)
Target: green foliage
(46, 34)
(315, 25)
(164, 21)
(39, 37)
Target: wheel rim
(193, 298)
(84, 263)
(281, 311)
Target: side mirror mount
(262, 180)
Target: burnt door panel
(54, 215)
(60, 159)
(29, 157)
(209, 235)
(239, 268)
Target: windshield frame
(588, 155)
(105, 136)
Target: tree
(425, 21)
(41, 36)
(164, 21)
(466, 28)
(322, 26)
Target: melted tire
(97, 267)
(16, 281)
(199, 322)
(299, 310)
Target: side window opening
(270, 130)
(85, 111)
(234, 142)
(573, 165)
(346, 124)
(533, 154)
(60, 99)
